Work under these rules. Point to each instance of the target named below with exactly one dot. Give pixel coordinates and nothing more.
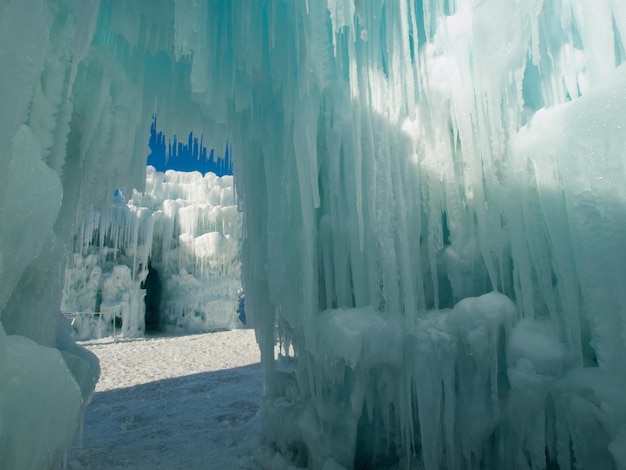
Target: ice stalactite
(428, 157)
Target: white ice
(188, 228)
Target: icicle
(86, 25)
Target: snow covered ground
(170, 402)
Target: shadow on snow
(195, 421)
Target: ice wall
(187, 228)
(433, 195)
(401, 159)
(62, 147)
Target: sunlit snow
(163, 402)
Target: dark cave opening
(153, 287)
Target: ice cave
(434, 214)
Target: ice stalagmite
(434, 202)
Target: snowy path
(184, 402)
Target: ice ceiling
(435, 214)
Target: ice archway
(394, 159)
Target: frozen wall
(70, 122)
(185, 229)
(434, 201)
(415, 157)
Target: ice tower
(434, 199)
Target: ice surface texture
(396, 161)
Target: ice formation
(185, 228)
(434, 201)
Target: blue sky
(192, 155)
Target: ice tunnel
(434, 197)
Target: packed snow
(173, 402)
(176, 401)
(434, 197)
